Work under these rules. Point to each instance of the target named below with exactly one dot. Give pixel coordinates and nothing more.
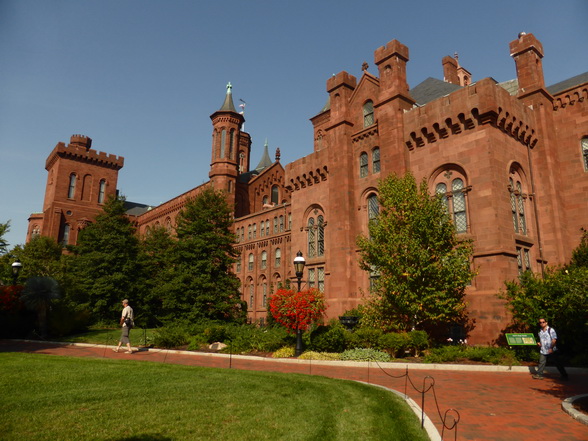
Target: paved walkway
(494, 403)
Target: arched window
(373, 207)
(65, 235)
(87, 187)
(222, 146)
(278, 258)
(251, 262)
(262, 229)
(168, 225)
(451, 188)
(249, 232)
(238, 265)
(363, 165)
(254, 231)
(316, 235)
(267, 227)
(275, 195)
(263, 260)
(368, 114)
(311, 238)
(281, 219)
(275, 225)
(251, 295)
(264, 200)
(264, 292)
(517, 204)
(71, 191)
(376, 160)
(459, 208)
(585, 152)
(101, 191)
(36, 231)
(231, 144)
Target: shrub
(312, 355)
(197, 343)
(365, 338)
(365, 354)
(170, 337)
(419, 341)
(246, 338)
(491, 355)
(285, 352)
(395, 343)
(328, 339)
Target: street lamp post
(299, 263)
(16, 267)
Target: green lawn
(47, 397)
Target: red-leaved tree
(297, 310)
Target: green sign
(521, 339)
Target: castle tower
(230, 147)
(79, 181)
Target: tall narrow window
(251, 261)
(441, 190)
(376, 160)
(278, 259)
(368, 113)
(363, 165)
(517, 204)
(231, 144)
(321, 278)
(311, 277)
(222, 146)
(320, 239)
(263, 259)
(264, 293)
(262, 229)
(275, 225)
(101, 191)
(373, 207)
(254, 231)
(251, 295)
(267, 227)
(523, 259)
(281, 224)
(311, 238)
(275, 195)
(585, 152)
(71, 191)
(459, 208)
(65, 235)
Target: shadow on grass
(145, 437)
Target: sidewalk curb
(568, 406)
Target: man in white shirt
(126, 321)
(548, 350)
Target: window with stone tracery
(517, 202)
(452, 189)
(316, 235)
(368, 114)
(585, 152)
(363, 165)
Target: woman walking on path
(126, 321)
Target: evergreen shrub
(365, 337)
(330, 338)
(365, 354)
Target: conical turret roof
(265, 160)
(228, 105)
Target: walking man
(548, 350)
(126, 321)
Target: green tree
(41, 256)
(105, 266)
(157, 249)
(200, 282)
(560, 296)
(4, 228)
(580, 254)
(422, 267)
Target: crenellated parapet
(483, 103)
(79, 150)
(309, 178)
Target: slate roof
(568, 84)
(135, 208)
(431, 89)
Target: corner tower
(230, 154)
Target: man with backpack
(548, 350)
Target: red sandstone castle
(510, 159)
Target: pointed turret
(227, 145)
(265, 160)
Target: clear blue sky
(142, 77)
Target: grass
(60, 398)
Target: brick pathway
(493, 406)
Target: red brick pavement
(493, 406)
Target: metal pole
(298, 350)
